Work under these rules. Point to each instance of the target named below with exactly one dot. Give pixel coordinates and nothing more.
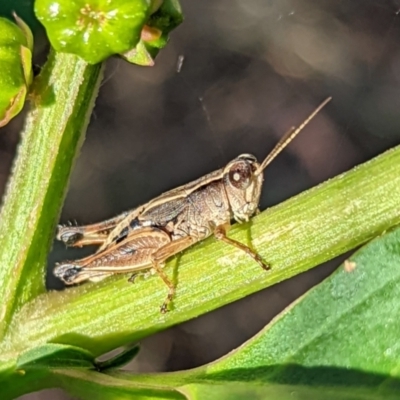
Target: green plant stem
(294, 236)
(61, 104)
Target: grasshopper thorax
(243, 186)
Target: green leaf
(93, 29)
(340, 339)
(242, 391)
(89, 384)
(33, 370)
(349, 324)
(294, 236)
(19, 382)
(54, 355)
(16, 67)
(6, 370)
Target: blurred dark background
(251, 69)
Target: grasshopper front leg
(220, 234)
(94, 234)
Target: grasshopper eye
(239, 175)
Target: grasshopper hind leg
(157, 268)
(71, 274)
(67, 272)
(94, 234)
(158, 260)
(78, 236)
(142, 251)
(69, 235)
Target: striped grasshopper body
(144, 238)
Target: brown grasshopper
(145, 237)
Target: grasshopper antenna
(289, 136)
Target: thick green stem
(294, 236)
(61, 104)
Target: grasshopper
(144, 238)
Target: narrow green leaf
(349, 322)
(340, 339)
(53, 355)
(19, 382)
(242, 391)
(6, 369)
(89, 384)
(294, 236)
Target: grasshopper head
(243, 186)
